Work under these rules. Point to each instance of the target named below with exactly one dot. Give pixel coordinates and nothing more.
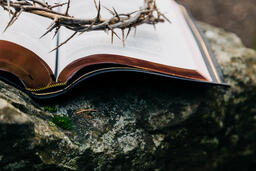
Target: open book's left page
(26, 32)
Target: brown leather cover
(75, 66)
(36, 74)
(25, 64)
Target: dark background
(238, 16)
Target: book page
(26, 31)
(168, 44)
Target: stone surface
(237, 16)
(144, 123)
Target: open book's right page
(170, 44)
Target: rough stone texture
(169, 125)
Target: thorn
(57, 5)
(68, 6)
(95, 3)
(129, 30)
(116, 35)
(106, 31)
(99, 10)
(135, 31)
(154, 25)
(123, 39)
(167, 19)
(134, 12)
(48, 30)
(109, 10)
(113, 32)
(116, 14)
(9, 7)
(112, 37)
(13, 19)
(53, 22)
(64, 42)
(56, 32)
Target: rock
(237, 16)
(139, 125)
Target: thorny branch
(148, 14)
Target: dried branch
(148, 14)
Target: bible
(176, 50)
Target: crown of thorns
(146, 14)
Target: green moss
(77, 143)
(62, 122)
(51, 109)
(51, 124)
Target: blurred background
(238, 16)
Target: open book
(175, 49)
